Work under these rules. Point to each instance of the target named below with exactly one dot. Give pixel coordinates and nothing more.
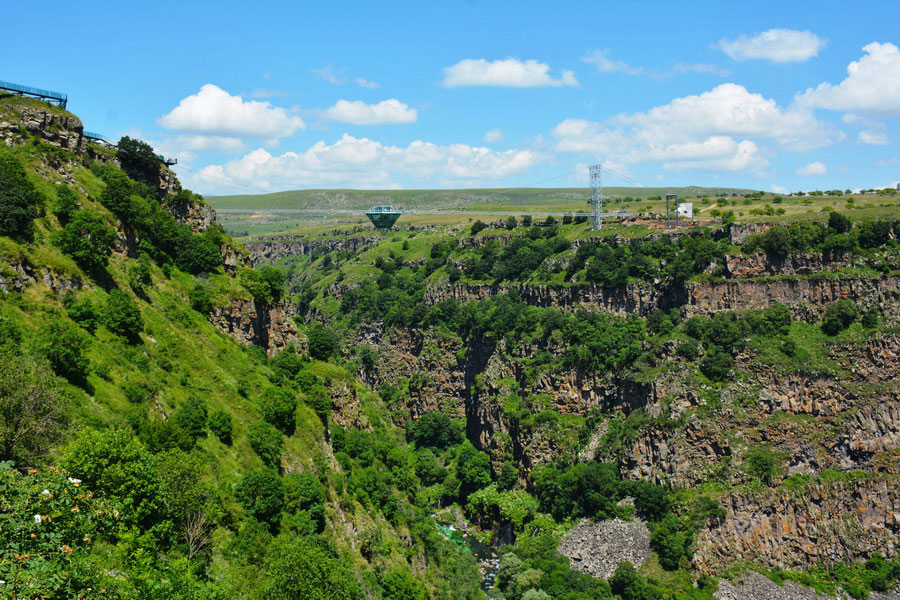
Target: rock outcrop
(598, 548)
(827, 522)
(15, 276)
(251, 323)
(753, 586)
(271, 250)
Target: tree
(201, 300)
(435, 430)
(473, 468)
(401, 585)
(220, 424)
(839, 316)
(716, 364)
(88, 240)
(261, 493)
(64, 344)
(267, 442)
(763, 464)
(139, 160)
(838, 223)
(478, 226)
(19, 199)
(191, 417)
(300, 568)
(323, 343)
(122, 316)
(511, 223)
(200, 255)
(670, 542)
(31, 409)
(279, 408)
(66, 203)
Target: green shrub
(870, 318)
(716, 364)
(200, 298)
(301, 568)
(88, 240)
(221, 426)
(279, 408)
(688, 350)
(84, 312)
(435, 430)
(31, 408)
(139, 160)
(66, 203)
(323, 342)
(261, 493)
(18, 200)
(839, 316)
(763, 464)
(65, 345)
(670, 542)
(191, 417)
(478, 226)
(122, 316)
(267, 442)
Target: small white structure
(686, 210)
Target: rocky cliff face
(839, 521)
(58, 130)
(197, 216)
(266, 325)
(16, 275)
(276, 249)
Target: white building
(686, 210)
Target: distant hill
(422, 199)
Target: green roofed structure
(383, 217)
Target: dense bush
(88, 240)
(122, 316)
(302, 568)
(65, 345)
(839, 316)
(221, 426)
(267, 442)
(278, 408)
(261, 493)
(66, 203)
(139, 161)
(191, 417)
(323, 342)
(200, 298)
(18, 199)
(265, 285)
(435, 430)
(32, 409)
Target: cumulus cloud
(872, 138)
(507, 72)
(361, 162)
(697, 132)
(365, 83)
(604, 64)
(360, 113)
(331, 75)
(776, 45)
(213, 111)
(493, 136)
(813, 168)
(872, 84)
(780, 189)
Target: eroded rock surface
(753, 586)
(598, 548)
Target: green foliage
(585, 489)
(870, 318)
(716, 364)
(114, 463)
(839, 316)
(473, 468)
(267, 442)
(201, 254)
(84, 312)
(762, 463)
(31, 408)
(49, 525)
(18, 200)
(628, 584)
(400, 585)
(318, 399)
(301, 568)
(434, 430)
(191, 417)
(66, 203)
(139, 161)
(287, 363)
(265, 285)
(323, 342)
(669, 540)
(65, 345)
(261, 493)
(478, 226)
(278, 408)
(838, 223)
(221, 426)
(122, 316)
(88, 240)
(493, 506)
(201, 300)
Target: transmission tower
(596, 173)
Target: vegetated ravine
(702, 414)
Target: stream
(487, 557)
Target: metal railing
(57, 97)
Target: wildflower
(73, 481)
(67, 549)
(45, 493)
(37, 519)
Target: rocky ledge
(598, 548)
(250, 322)
(753, 586)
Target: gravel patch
(598, 548)
(753, 586)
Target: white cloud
(493, 136)
(604, 64)
(697, 132)
(893, 161)
(872, 138)
(776, 45)
(209, 142)
(361, 162)
(365, 83)
(780, 189)
(508, 72)
(700, 68)
(267, 93)
(872, 84)
(331, 75)
(813, 168)
(213, 111)
(360, 113)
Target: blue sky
(267, 96)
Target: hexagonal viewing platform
(383, 217)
